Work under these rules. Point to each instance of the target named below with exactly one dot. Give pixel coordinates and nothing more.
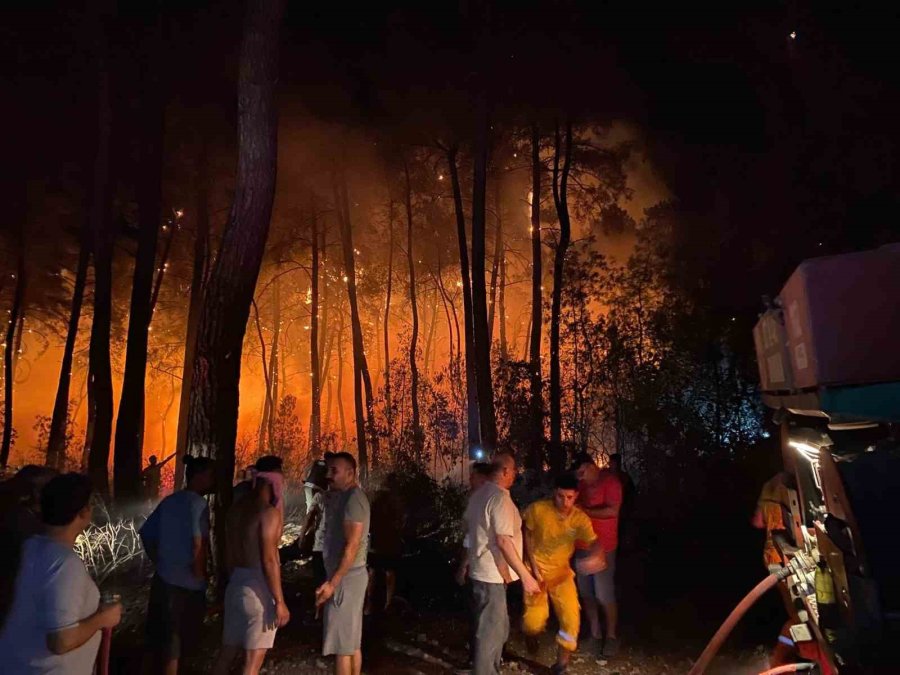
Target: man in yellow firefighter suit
(552, 526)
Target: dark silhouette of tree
(482, 339)
(58, 434)
(414, 309)
(536, 445)
(199, 276)
(472, 409)
(100, 390)
(561, 153)
(212, 424)
(315, 368)
(10, 349)
(364, 412)
(130, 421)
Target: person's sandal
(559, 669)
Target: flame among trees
(362, 309)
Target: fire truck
(828, 349)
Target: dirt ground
(425, 632)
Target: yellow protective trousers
(558, 588)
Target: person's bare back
(245, 524)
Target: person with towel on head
(254, 601)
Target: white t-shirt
(53, 591)
(490, 512)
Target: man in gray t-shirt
(347, 518)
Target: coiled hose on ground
(725, 629)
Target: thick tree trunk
(315, 420)
(215, 380)
(417, 439)
(56, 442)
(482, 341)
(473, 422)
(198, 284)
(13, 338)
(130, 422)
(560, 188)
(536, 449)
(100, 389)
(387, 317)
(364, 422)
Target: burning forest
(426, 237)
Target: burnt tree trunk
(495, 263)
(56, 441)
(482, 339)
(364, 419)
(473, 422)
(418, 441)
(215, 379)
(9, 352)
(198, 284)
(387, 317)
(315, 418)
(536, 448)
(560, 200)
(130, 422)
(99, 384)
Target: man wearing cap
(600, 497)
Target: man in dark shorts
(388, 521)
(176, 539)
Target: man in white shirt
(494, 532)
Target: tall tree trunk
(100, 389)
(130, 422)
(418, 441)
(266, 411)
(387, 317)
(430, 344)
(273, 361)
(536, 448)
(340, 389)
(13, 336)
(495, 263)
(560, 200)
(198, 284)
(56, 442)
(315, 420)
(473, 422)
(215, 380)
(482, 341)
(364, 422)
(501, 304)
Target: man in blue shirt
(176, 539)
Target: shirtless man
(254, 602)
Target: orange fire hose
(725, 629)
(789, 668)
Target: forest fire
(265, 270)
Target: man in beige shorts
(254, 602)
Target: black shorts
(174, 619)
(388, 561)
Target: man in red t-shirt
(600, 497)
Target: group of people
(577, 526)
(176, 539)
(52, 617)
